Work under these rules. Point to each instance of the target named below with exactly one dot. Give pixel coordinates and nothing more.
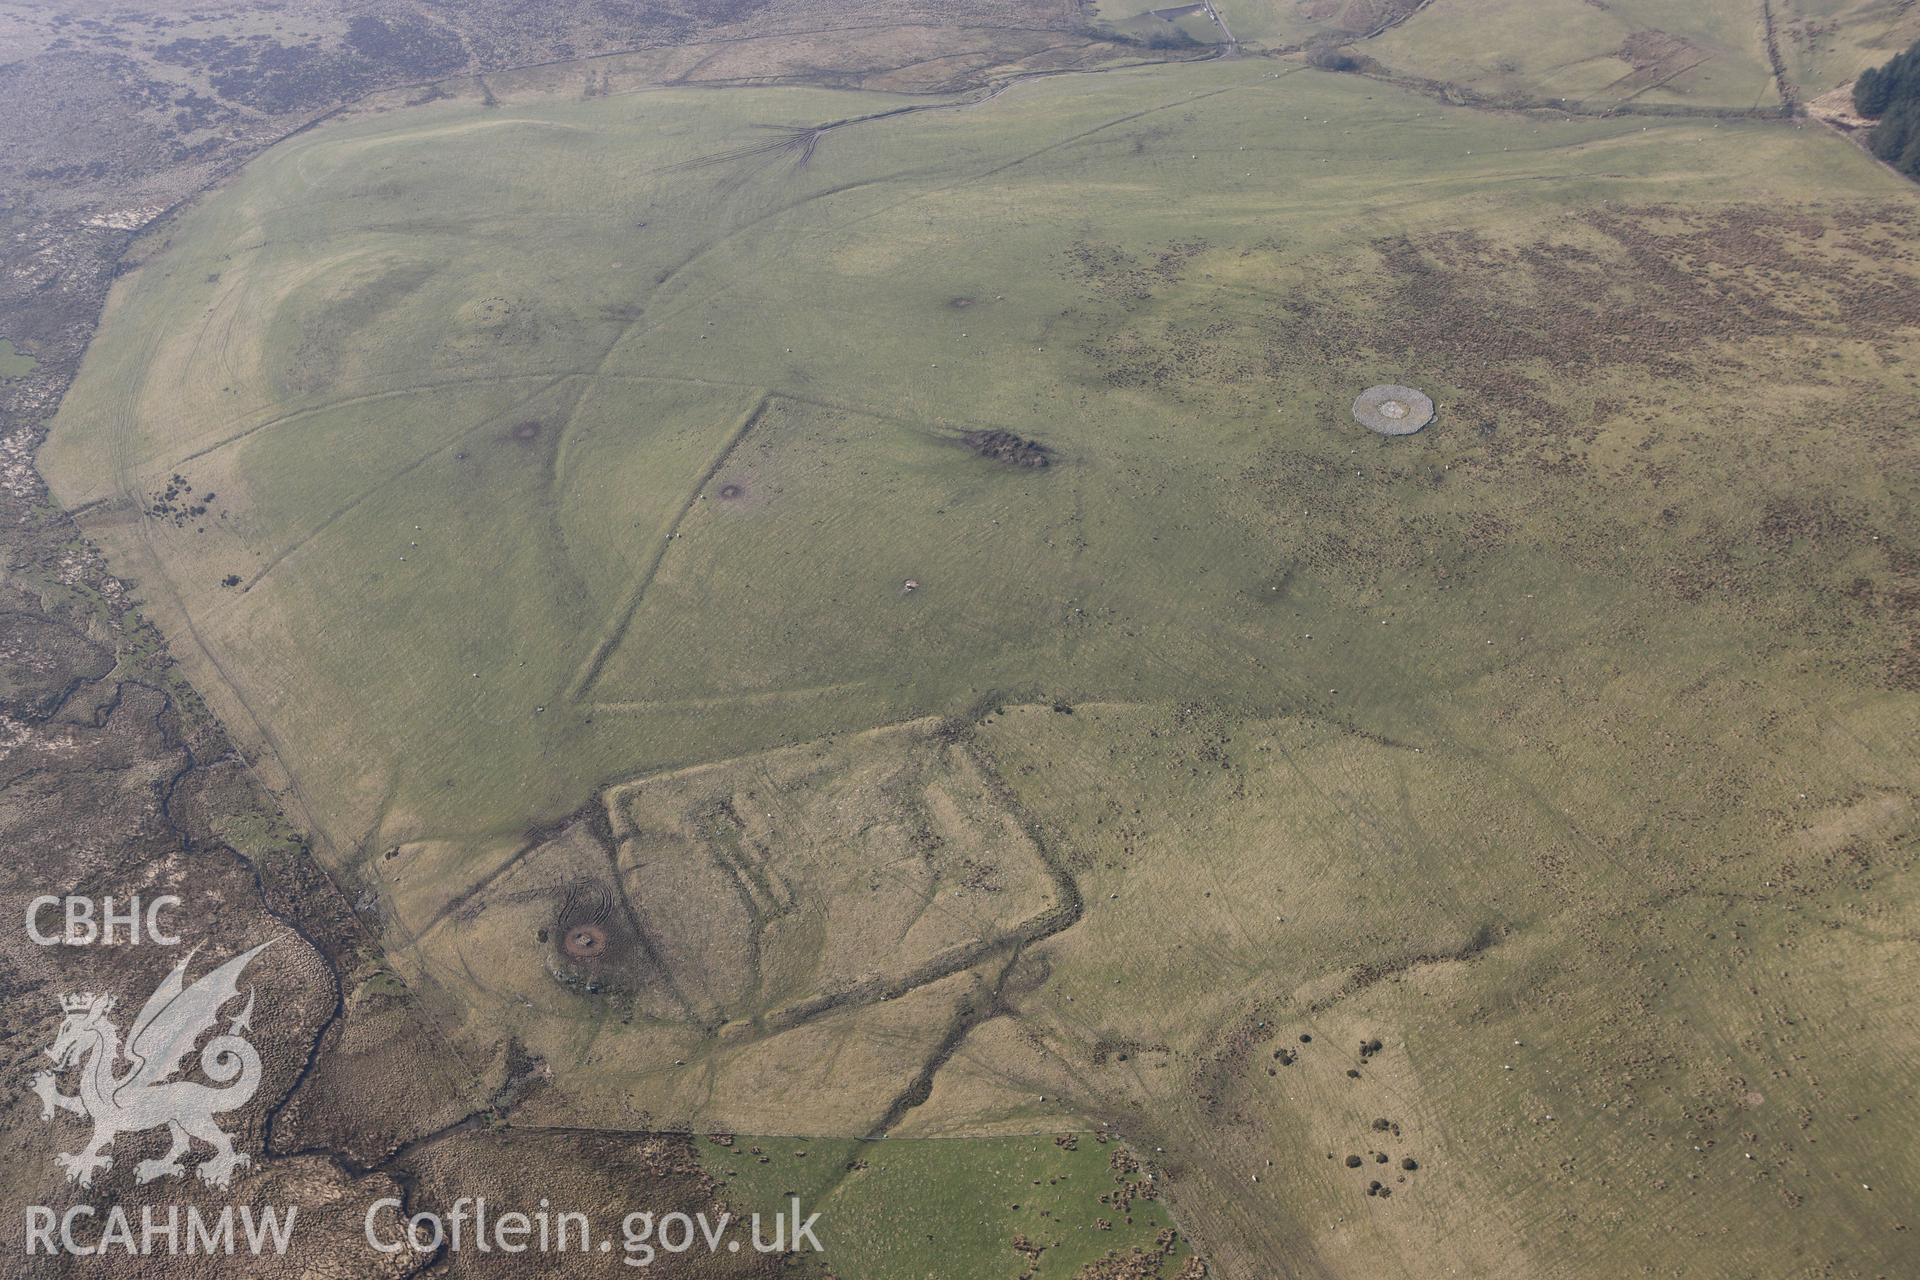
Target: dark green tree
(1870, 93)
(1890, 95)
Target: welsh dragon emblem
(139, 1095)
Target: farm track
(1067, 910)
(296, 912)
(767, 697)
(1233, 44)
(597, 660)
(499, 1112)
(349, 507)
(348, 402)
(981, 1005)
(1396, 17)
(902, 1105)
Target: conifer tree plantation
(1890, 96)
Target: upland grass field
(893, 630)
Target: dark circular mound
(584, 941)
(732, 491)
(587, 939)
(527, 431)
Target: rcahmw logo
(167, 1230)
(129, 1089)
(85, 923)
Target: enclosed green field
(1644, 55)
(1043, 1206)
(1711, 53)
(630, 500)
(1826, 43)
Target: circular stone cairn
(584, 941)
(1393, 411)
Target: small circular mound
(1392, 410)
(584, 941)
(732, 491)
